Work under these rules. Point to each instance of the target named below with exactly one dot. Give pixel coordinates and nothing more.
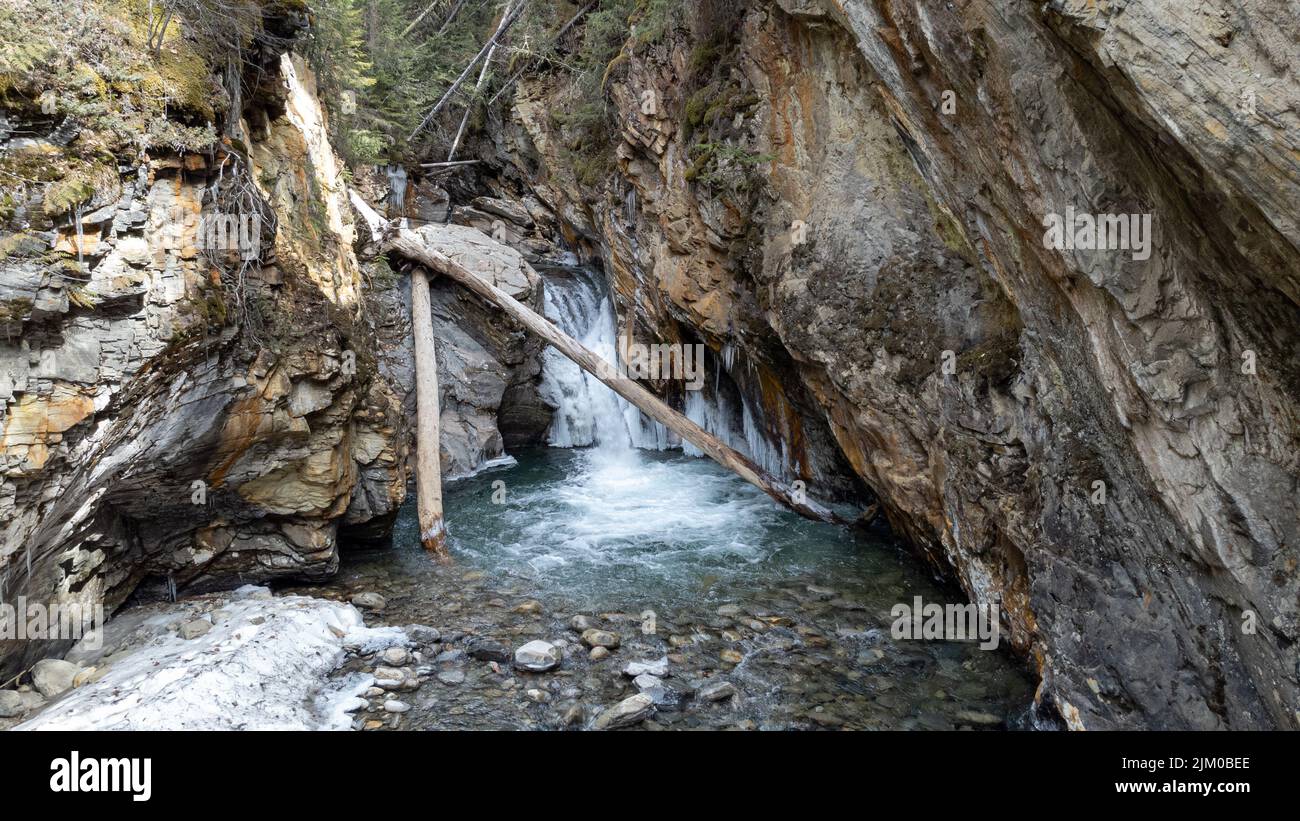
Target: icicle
(76, 220)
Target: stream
(677, 558)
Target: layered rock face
(145, 438)
(184, 409)
(848, 202)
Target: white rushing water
(590, 414)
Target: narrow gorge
(847, 230)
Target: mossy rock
(14, 310)
(79, 185)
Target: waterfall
(587, 412)
(396, 190)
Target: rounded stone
(600, 638)
(537, 657)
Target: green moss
(211, 307)
(613, 65)
(62, 196)
(187, 81)
(594, 168)
(704, 56)
(21, 245)
(78, 185)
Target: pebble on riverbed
(537, 657)
(655, 668)
(716, 691)
(370, 601)
(487, 650)
(451, 677)
(580, 623)
(601, 638)
(629, 711)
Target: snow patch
(264, 665)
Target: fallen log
(428, 471)
(406, 243)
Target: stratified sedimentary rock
(1104, 442)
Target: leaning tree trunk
(407, 244)
(428, 472)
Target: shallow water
(679, 558)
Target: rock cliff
(178, 415)
(846, 201)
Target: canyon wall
(846, 202)
(174, 417)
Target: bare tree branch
(507, 20)
(563, 30)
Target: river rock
(581, 623)
(529, 608)
(598, 653)
(423, 634)
(664, 696)
(655, 668)
(392, 705)
(451, 677)
(51, 677)
(731, 656)
(821, 593)
(629, 711)
(370, 601)
(537, 657)
(976, 717)
(716, 691)
(487, 650)
(390, 678)
(600, 638)
(395, 656)
(11, 704)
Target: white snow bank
(264, 665)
